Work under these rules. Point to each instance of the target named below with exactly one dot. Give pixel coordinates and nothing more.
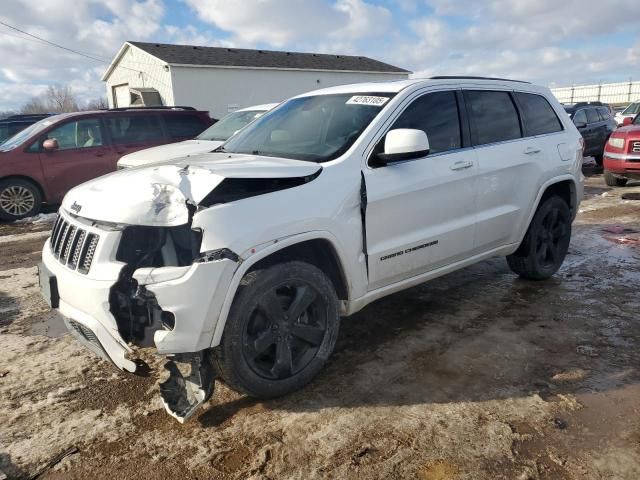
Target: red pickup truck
(622, 154)
(42, 162)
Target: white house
(221, 80)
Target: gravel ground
(476, 375)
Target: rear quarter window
(184, 126)
(538, 117)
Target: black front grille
(72, 245)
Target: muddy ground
(476, 375)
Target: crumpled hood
(158, 195)
(171, 151)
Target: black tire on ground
(613, 181)
(281, 330)
(19, 198)
(598, 159)
(546, 242)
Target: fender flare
(543, 188)
(273, 247)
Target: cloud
(545, 41)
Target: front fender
(258, 253)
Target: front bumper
(193, 294)
(624, 164)
(84, 303)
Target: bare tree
(99, 103)
(56, 99)
(61, 99)
(35, 105)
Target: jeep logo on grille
(76, 207)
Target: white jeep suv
(239, 264)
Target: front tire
(612, 181)
(19, 198)
(281, 330)
(546, 242)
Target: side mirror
(50, 144)
(404, 144)
(627, 121)
(581, 124)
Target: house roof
(240, 57)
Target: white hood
(168, 152)
(158, 195)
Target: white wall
(139, 69)
(622, 92)
(220, 90)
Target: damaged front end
(157, 280)
(139, 316)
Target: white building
(221, 80)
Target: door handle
(461, 165)
(531, 151)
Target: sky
(552, 42)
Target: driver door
(421, 213)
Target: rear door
(506, 164)
(420, 213)
(130, 132)
(83, 153)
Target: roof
(240, 57)
(398, 85)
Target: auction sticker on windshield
(367, 100)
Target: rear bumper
(624, 164)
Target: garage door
(121, 96)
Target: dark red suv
(42, 162)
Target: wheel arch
(320, 249)
(28, 179)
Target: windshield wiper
(219, 149)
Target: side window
(580, 117)
(437, 115)
(592, 115)
(494, 117)
(604, 113)
(79, 134)
(180, 126)
(134, 128)
(538, 116)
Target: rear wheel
(546, 242)
(19, 198)
(611, 180)
(282, 327)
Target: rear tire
(19, 198)
(281, 330)
(612, 181)
(546, 242)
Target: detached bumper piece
(191, 383)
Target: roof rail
(160, 107)
(462, 77)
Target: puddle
(51, 325)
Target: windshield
(632, 109)
(22, 135)
(229, 125)
(317, 129)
